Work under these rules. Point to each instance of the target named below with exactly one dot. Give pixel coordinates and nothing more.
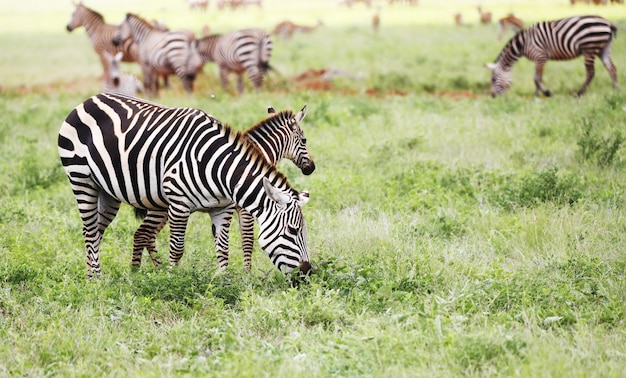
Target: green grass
(453, 234)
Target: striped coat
(118, 149)
(565, 39)
(247, 50)
(277, 137)
(161, 52)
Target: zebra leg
(539, 77)
(220, 219)
(223, 78)
(178, 216)
(240, 83)
(107, 210)
(589, 67)
(246, 227)
(145, 237)
(87, 195)
(605, 56)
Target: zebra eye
(304, 140)
(292, 230)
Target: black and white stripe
(119, 149)
(161, 52)
(101, 36)
(247, 50)
(564, 39)
(277, 137)
(117, 81)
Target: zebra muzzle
(308, 169)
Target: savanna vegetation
(452, 234)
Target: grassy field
(453, 234)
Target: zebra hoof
(547, 93)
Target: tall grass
(453, 234)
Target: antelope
(510, 21)
(485, 17)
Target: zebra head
(123, 31)
(114, 67)
(79, 16)
(500, 79)
(295, 148)
(282, 232)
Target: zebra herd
(171, 162)
(161, 52)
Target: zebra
(101, 36)
(563, 39)
(277, 137)
(121, 149)
(160, 52)
(117, 81)
(246, 50)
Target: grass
(453, 234)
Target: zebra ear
(301, 114)
(303, 197)
(277, 195)
(271, 110)
(491, 66)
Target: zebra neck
(511, 53)
(270, 149)
(92, 24)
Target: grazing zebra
(160, 52)
(246, 50)
(563, 39)
(116, 148)
(101, 36)
(277, 137)
(117, 81)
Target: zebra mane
(239, 137)
(140, 19)
(93, 12)
(514, 46)
(282, 117)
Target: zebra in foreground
(161, 52)
(117, 81)
(247, 50)
(116, 148)
(101, 36)
(563, 39)
(277, 137)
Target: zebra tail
(141, 213)
(266, 67)
(613, 31)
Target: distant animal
(120, 149)
(247, 50)
(349, 3)
(161, 53)
(117, 81)
(458, 20)
(485, 17)
(410, 2)
(234, 4)
(287, 29)
(564, 39)
(198, 4)
(277, 137)
(376, 20)
(101, 36)
(510, 21)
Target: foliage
(451, 234)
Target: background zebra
(117, 81)
(277, 137)
(563, 39)
(246, 50)
(101, 36)
(116, 148)
(161, 52)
